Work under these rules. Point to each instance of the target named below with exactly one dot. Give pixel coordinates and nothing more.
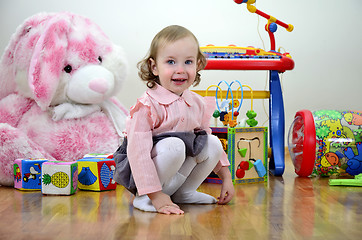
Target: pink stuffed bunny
(58, 78)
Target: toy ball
(326, 142)
(216, 114)
(240, 173)
(273, 27)
(245, 165)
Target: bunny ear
(47, 61)
(8, 59)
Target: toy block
(99, 155)
(27, 173)
(59, 178)
(96, 174)
(260, 168)
(247, 153)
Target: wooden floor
(286, 207)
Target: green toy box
(247, 150)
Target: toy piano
(245, 58)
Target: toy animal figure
(354, 161)
(58, 78)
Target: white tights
(179, 175)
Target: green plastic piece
(252, 122)
(216, 114)
(242, 152)
(251, 114)
(357, 181)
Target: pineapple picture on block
(59, 178)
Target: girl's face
(176, 65)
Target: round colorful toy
(229, 109)
(326, 142)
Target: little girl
(169, 150)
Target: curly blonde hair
(169, 34)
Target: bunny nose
(99, 85)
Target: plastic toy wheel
(302, 143)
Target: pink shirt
(159, 111)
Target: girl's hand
(163, 204)
(174, 209)
(227, 188)
(227, 192)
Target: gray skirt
(194, 143)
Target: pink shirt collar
(166, 97)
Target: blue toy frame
(276, 124)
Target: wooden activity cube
(247, 150)
(27, 173)
(59, 178)
(96, 174)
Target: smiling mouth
(179, 80)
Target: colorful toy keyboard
(245, 58)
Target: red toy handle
(253, 9)
(267, 16)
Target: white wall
(325, 44)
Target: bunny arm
(16, 144)
(72, 110)
(13, 107)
